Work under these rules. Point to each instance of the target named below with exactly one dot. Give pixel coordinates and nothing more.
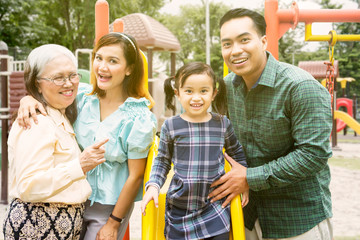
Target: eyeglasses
(60, 80)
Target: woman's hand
(28, 106)
(152, 193)
(93, 156)
(108, 231)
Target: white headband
(127, 38)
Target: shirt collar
(59, 119)
(267, 77)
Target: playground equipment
(345, 118)
(343, 83)
(351, 109)
(4, 117)
(280, 20)
(348, 104)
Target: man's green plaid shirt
(284, 126)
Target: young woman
(115, 106)
(193, 142)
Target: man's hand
(231, 184)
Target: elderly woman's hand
(93, 156)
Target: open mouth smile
(103, 77)
(239, 61)
(67, 93)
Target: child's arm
(245, 198)
(159, 169)
(152, 193)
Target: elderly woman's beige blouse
(44, 162)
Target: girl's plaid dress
(195, 149)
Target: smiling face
(196, 96)
(59, 97)
(243, 49)
(110, 68)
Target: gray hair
(42, 55)
(34, 67)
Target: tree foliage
(347, 52)
(67, 22)
(348, 56)
(190, 29)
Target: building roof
(318, 68)
(149, 33)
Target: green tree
(189, 27)
(67, 22)
(349, 55)
(292, 50)
(122, 8)
(347, 52)
(19, 23)
(289, 48)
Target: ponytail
(169, 93)
(219, 104)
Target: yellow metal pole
(329, 37)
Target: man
(282, 117)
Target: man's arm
(311, 122)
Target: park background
(25, 25)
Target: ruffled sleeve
(83, 89)
(140, 128)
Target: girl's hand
(151, 194)
(93, 156)
(245, 198)
(28, 106)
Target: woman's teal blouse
(130, 129)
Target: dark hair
(258, 19)
(134, 84)
(35, 63)
(219, 104)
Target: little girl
(193, 141)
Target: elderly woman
(48, 183)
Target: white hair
(42, 55)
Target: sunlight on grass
(347, 238)
(349, 163)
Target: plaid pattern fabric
(284, 125)
(195, 149)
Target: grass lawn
(355, 140)
(349, 163)
(347, 238)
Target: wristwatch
(120, 220)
